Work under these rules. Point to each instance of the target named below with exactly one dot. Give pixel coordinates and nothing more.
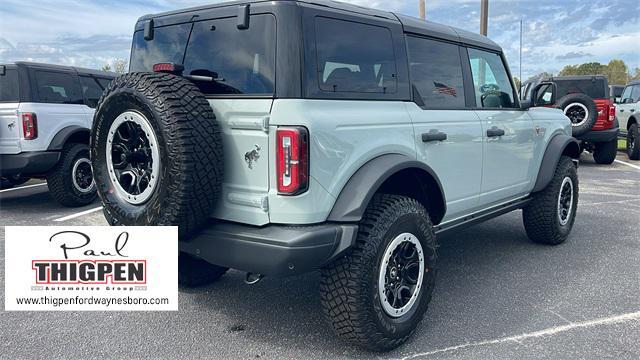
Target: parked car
(615, 93)
(281, 139)
(585, 100)
(45, 120)
(628, 113)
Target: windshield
(9, 91)
(595, 88)
(219, 58)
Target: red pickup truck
(585, 101)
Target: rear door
(448, 135)
(235, 69)
(508, 145)
(9, 103)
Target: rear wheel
(605, 153)
(376, 295)
(71, 181)
(157, 152)
(633, 142)
(549, 217)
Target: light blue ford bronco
(284, 137)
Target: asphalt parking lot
(498, 295)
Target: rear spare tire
(605, 152)
(581, 110)
(156, 150)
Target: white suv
(628, 114)
(45, 121)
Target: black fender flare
(58, 141)
(357, 193)
(558, 145)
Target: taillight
(612, 112)
(169, 68)
(29, 126)
(292, 160)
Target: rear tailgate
(606, 116)
(244, 123)
(9, 128)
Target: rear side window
(635, 93)
(58, 88)
(436, 72)
(595, 88)
(354, 57)
(232, 60)
(493, 88)
(167, 46)
(92, 90)
(9, 90)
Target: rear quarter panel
(344, 135)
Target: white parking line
(73, 216)
(546, 332)
(626, 163)
(22, 187)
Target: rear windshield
(9, 91)
(594, 88)
(226, 60)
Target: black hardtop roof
(566, 78)
(79, 70)
(410, 24)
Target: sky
(91, 33)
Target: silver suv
(285, 137)
(628, 114)
(45, 120)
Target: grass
(622, 145)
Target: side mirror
(543, 94)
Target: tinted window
(104, 82)
(354, 57)
(91, 89)
(436, 71)
(493, 88)
(234, 61)
(9, 91)
(58, 88)
(595, 88)
(167, 45)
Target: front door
(448, 135)
(508, 132)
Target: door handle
(632, 110)
(495, 132)
(434, 135)
(621, 110)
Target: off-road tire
(584, 126)
(190, 151)
(60, 179)
(349, 285)
(540, 216)
(605, 152)
(194, 272)
(633, 142)
(18, 180)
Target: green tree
(635, 76)
(120, 66)
(617, 72)
(541, 75)
(517, 82)
(106, 67)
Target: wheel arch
(392, 174)
(70, 134)
(632, 120)
(558, 146)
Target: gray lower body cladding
(28, 163)
(275, 250)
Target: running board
(479, 217)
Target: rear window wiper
(204, 78)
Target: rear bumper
(600, 136)
(275, 250)
(28, 163)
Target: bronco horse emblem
(252, 156)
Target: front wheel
(549, 217)
(605, 153)
(633, 142)
(376, 295)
